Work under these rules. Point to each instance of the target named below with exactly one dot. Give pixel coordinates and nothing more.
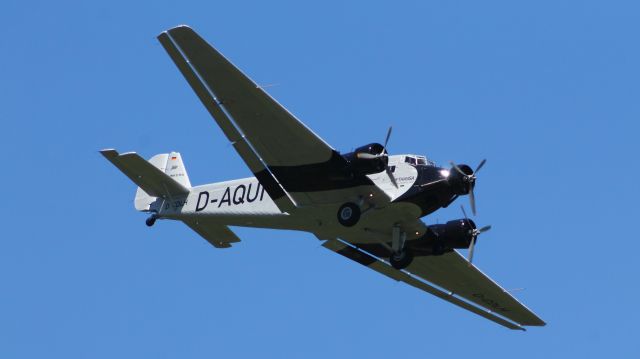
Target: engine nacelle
(454, 234)
(368, 159)
(458, 182)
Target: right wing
(297, 164)
(279, 138)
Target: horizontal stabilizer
(219, 235)
(152, 180)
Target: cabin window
(410, 160)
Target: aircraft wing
(296, 161)
(452, 278)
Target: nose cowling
(461, 183)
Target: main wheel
(348, 214)
(402, 259)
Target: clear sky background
(547, 91)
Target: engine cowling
(457, 233)
(367, 159)
(460, 184)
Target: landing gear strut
(401, 255)
(151, 220)
(349, 214)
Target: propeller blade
(484, 229)
(473, 242)
(367, 156)
(464, 212)
(480, 166)
(386, 140)
(391, 177)
(455, 166)
(472, 201)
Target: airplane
(365, 205)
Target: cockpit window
(418, 160)
(410, 160)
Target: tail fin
(175, 169)
(163, 176)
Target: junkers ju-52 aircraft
(365, 205)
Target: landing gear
(401, 255)
(402, 259)
(151, 220)
(349, 214)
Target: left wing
(454, 273)
(382, 267)
(456, 276)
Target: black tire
(401, 260)
(348, 214)
(150, 221)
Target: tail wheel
(348, 214)
(401, 259)
(151, 220)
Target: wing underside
(278, 137)
(474, 291)
(288, 159)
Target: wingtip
(182, 26)
(175, 28)
(109, 152)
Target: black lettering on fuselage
(248, 198)
(202, 194)
(262, 194)
(226, 197)
(239, 199)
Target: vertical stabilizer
(169, 163)
(175, 169)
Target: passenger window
(410, 160)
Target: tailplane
(162, 177)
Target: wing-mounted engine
(368, 159)
(441, 238)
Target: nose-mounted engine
(368, 159)
(461, 179)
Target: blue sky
(547, 91)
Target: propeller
(372, 156)
(471, 179)
(387, 168)
(474, 235)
